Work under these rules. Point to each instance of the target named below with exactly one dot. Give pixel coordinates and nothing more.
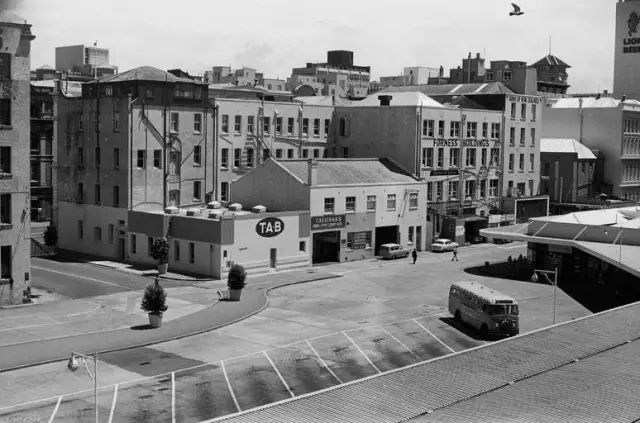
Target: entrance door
(419, 238)
(121, 248)
(326, 247)
(274, 258)
(386, 235)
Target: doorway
(386, 235)
(121, 248)
(326, 247)
(419, 238)
(274, 258)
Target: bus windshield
(493, 310)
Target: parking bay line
(323, 362)
(278, 373)
(401, 343)
(434, 337)
(361, 352)
(82, 277)
(55, 410)
(173, 397)
(233, 395)
(113, 402)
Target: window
(290, 153)
(413, 200)
(116, 196)
(157, 157)
(290, 123)
(316, 127)
(453, 157)
(110, 234)
(278, 153)
(472, 129)
(250, 157)
(441, 157)
(441, 128)
(483, 189)
(197, 191)
(453, 190)
(224, 191)
(237, 124)
(533, 137)
(522, 132)
(391, 201)
(511, 159)
(495, 157)
(5, 111)
(512, 136)
(344, 127)
(266, 125)
(510, 188)
(531, 187)
(250, 121)
(485, 130)
(493, 188)
(469, 189)
(225, 124)
(149, 245)
(141, 158)
(279, 125)
(350, 204)
(116, 158)
(176, 250)
(471, 157)
(329, 205)
(196, 155)
(439, 188)
(175, 124)
(521, 188)
(327, 123)
(305, 126)
(97, 157)
(495, 130)
(5, 66)
(80, 156)
(483, 157)
(116, 121)
(532, 163)
(345, 152)
(302, 246)
(96, 194)
(521, 164)
(454, 130)
(429, 191)
(427, 157)
(305, 153)
(506, 76)
(428, 128)
(490, 76)
(5, 159)
(5, 209)
(80, 192)
(523, 111)
(224, 158)
(81, 230)
(316, 153)
(237, 157)
(266, 153)
(197, 123)
(513, 110)
(533, 112)
(97, 233)
(371, 202)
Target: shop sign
(563, 249)
(270, 227)
(359, 241)
(453, 142)
(332, 221)
(444, 172)
(523, 99)
(631, 44)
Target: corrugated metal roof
(399, 98)
(566, 145)
(591, 103)
(351, 171)
(468, 386)
(146, 73)
(455, 89)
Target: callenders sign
(269, 227)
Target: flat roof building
(626, 64)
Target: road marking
(361, 352)
(82, 277)
(278, 373)
(233, 395)
(434, 337)
(173, 397)
(511, 247)
(55, 410)
(323, 362)
(401, 343)
(113, 403)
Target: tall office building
(626, 68)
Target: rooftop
(566, 145)
(146, 73)
(455, 89)
(550, 60)
(591, 102)
(400, 98)
(333, 172)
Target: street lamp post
(546, 273)
(73, 366)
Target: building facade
(552, 75)
(355, 205)
(84, 60)
(413, 75)
(42, 152)
(15, 220)
(626, 56)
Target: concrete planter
(155, 320)
(234, 294)
(162, 268)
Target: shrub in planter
(50, 236)
(160, 253)
(154, 302)
(236, 281)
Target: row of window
(174, 121)
(247, 158)
(429, 160)
(278, 122)
(631, 147)
(350, 203)
(115, 193)
(429, 130)
(470, 189)
(631, 172)
(523, 133)
(521, 162)
(523, 111)
(632, 125)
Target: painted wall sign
(523, 99)
(333, 221)
(270, 227)
(444, 172)
(630, 45)
(452, 142)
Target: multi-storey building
(552, 75)
(626, 65)
(84, 60)
(42, 150)
(141, 140)
(338, 76)
(414, 75)
(609, 125)
(15, 39)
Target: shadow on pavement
(141, 327)
(461, 327)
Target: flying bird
(516, 10)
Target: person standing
(414, 255)
(455, 254)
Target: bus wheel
(484, 331)
(457, 316)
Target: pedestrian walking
(414, 255)
(455, 254)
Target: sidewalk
(96, 325)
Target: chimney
(477, 55)
(385, 100)
(606, 93)
(312, 174)
(441, 72)
(469, 57)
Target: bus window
(492, 310)
(514, 310)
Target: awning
(475, 219)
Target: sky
(274, 37)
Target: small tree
(237, 276)
(154, 300)
(50, 236)
(160, 250)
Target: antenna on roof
(549, 45)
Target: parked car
(391, 251)
(443, 244)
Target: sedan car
(443, 244)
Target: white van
(391, 251)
